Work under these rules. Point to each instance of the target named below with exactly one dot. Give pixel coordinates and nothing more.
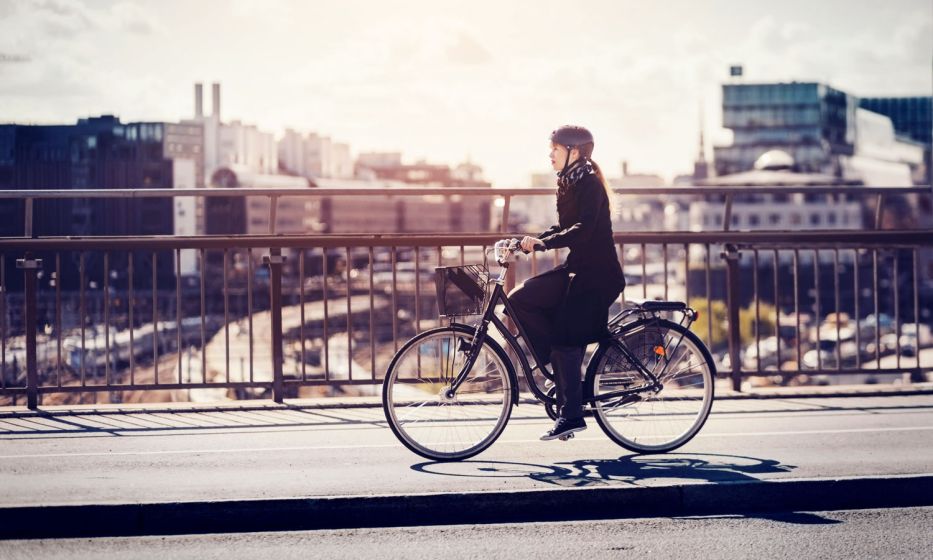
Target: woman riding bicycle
(566, 308)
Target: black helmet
(570, 137)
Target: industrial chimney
(198, 100)
(216, 99)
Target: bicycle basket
(461, 290)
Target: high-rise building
(811, 122)
(232, 143)
(823, 130)
(912, 118)
(97, 153)
(314, 156)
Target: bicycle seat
(657, 305)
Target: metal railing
(728, 194)
(281, 314)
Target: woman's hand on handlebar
(529, 244)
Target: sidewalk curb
(293, 514)
(337, 403)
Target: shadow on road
(796, 517)
(634, 470)
(628, 469)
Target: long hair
(586, 152)
(609, 194)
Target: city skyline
(414, 78)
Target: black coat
(585, 226)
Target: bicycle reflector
(659, 350)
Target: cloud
(411, 75)
(467, 51)
(133, 18)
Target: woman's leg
(567, 361)
(535, 302)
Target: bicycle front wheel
(653, 421)
(422, 411)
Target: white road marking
(390, 445)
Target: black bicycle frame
(489, 316)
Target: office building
(388, 166)
(822, 129)
(97, 153)
(314, 156)
(912, 118)
(232, 143)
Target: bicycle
(448, 392)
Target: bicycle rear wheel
(433, 423)
(653, 422)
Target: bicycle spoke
(442, 426)
(662, 420)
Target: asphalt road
(189, 456)
(879, 533)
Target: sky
(446, 81)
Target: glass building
(95, 153)
(812, 122)
(912, 116)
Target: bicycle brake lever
(536, 249)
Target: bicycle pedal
(566, 437)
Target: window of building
(718, 219)
(735, 219)
(831, 218)
(754, 220)
(795, 219)
(815, 219)
(774, 219)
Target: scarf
(577, 171)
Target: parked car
(911, 340)
(824, 356)
(769, 356)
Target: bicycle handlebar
(510, 247)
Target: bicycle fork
(473, 353)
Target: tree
(720, 315)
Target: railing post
(504, 226)
(732, 255)
(275, 261)
(30, 268)
(28, 218)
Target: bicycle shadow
(634, 470)
(627, 469)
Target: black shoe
(563, 428)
